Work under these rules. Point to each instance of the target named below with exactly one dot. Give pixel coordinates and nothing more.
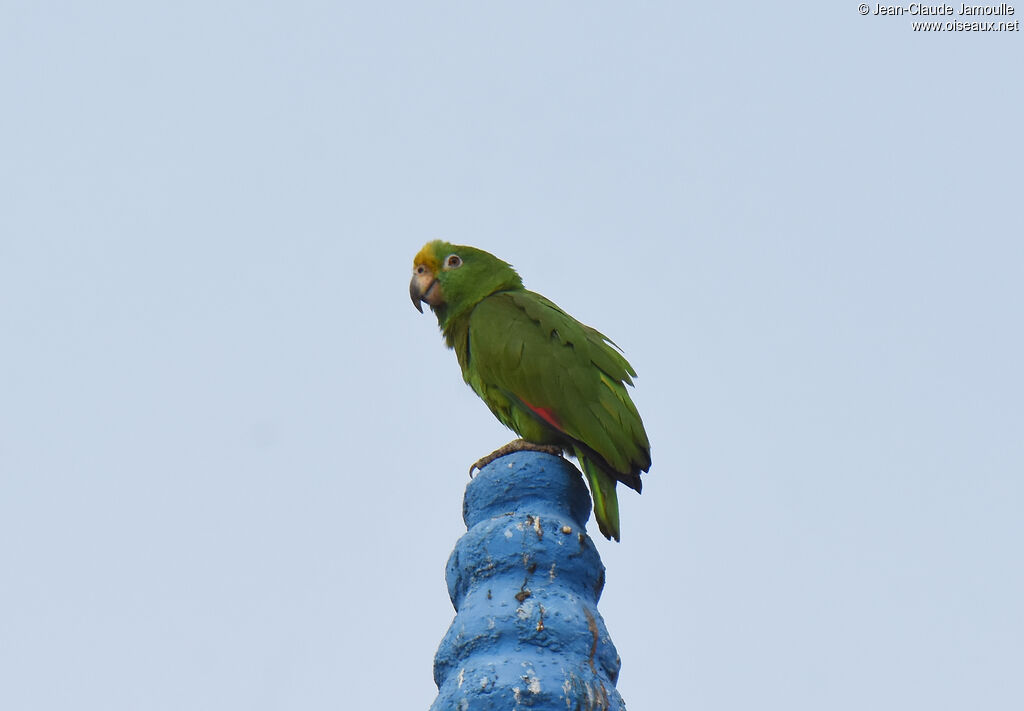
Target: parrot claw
(516, 445)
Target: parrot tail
(602, 491)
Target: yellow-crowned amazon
(560, 385)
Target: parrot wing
(525, 351)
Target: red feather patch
(546, 414)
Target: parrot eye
(453, 261)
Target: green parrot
(558, 384)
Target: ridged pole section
(525, 580)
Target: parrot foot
(516, 445)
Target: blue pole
(525, 580)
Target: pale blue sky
(232, 455)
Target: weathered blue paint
(525, 581)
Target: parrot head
(453, 278)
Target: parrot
(558, 384)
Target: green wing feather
(554, 380)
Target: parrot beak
(424, 287)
